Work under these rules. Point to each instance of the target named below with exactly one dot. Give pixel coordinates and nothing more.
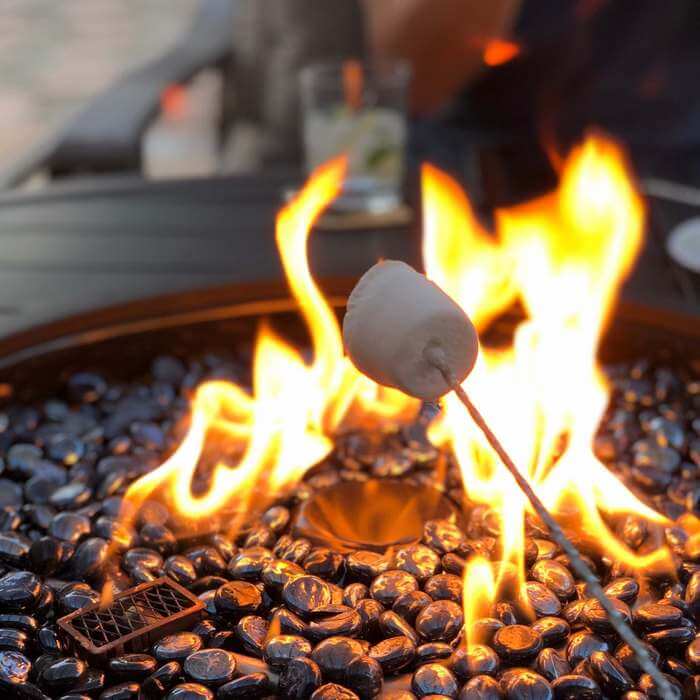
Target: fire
(563, 258)
(259, 444)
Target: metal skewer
(436, 358)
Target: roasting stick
(403, 331)
(435, 357)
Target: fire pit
(350, 549)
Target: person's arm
(443, 40)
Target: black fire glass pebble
(552, 630)
(142, 557)
(655, 616)
(440, 621)
(348, 623)
(299, 679)
(484, 629)
(677, 669)
(410, 604)
(432, 651)
(444, 587)
(86, 387)
(181, 570)
(477, 660)
(392, 625)
(90, 558)
(75, 596)
(333, 691)
(207, 560)
(595, 616)
(576, 687)
(46, 555)
(49, 641)
(555, 576)
(250, 686)
(393, 654)
(524, 684)
(325, 563)
(365, 565)
(71, 496)
(609, 673)
(506, 613)
(292, 550)
(581, 645)
(541, 599)
(517, 643)
(672, 640)
(552, 664)
(176, 647)
(692, 654)
(249, 563)
(443, 536)
(91, 683)
(434, 679)
(129, 690)
(692, 596)
(25, 623)
(251, 631)
(19, 591)
(289, 623)
(237, 598)
(13, 639)
(354, 593)
(481, 688)
(63, 673)
(212, 667)
(453, 564)
(365, 677)
(419, 560)
(278, 572)
(648, 685)
(133, 666)
(190, 691)
(370, 611)
(628, 659)
(334, 654)
(279, 650)
(14, 549)
(388, 586)
(624, 588)
(305, 594)
(158, 537)
(14, 667)
(162, 680)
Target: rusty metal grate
(134, 620)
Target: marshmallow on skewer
(396, 321)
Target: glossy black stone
(552, 664)
(542, 599)
(432, 651)
(75, 596)
(279, 650)
(177, 647)
(576, 687)
(595, 616)
(63, 673)
(624, 588)
(523, 684)
(365, 677)
(19, 591)
(444, 587)
(434, 679)
(517, 644)
(393, 654)
(300, 678)
(628, 659)
(347, 623)
(128, 690)
(190, 691)
(14, 667)
(552, 630)
(365, 565)
(333, 691)
(609, 673)
(305, 594)
(443, 536)
(237, 598)
(90, 558)
(477, 660)
(581, 645)
(654, 616)
(211, 667)
(555, 576)
(132, 666)
(250, 685)
(388, 586)
(419, 560)
(481, 688)
(162, 680)
(440, 621)
(251, 631)
(333, 656)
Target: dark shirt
(630, 67)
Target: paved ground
(55, 54)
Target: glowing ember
(563, 258)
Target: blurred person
(559, 67)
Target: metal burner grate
(135, 619)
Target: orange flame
(270, 438)
(563, 257)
